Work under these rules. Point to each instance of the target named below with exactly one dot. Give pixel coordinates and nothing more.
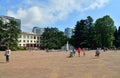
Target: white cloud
(45, 13)
(97, 4)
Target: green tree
(116, 41)
(89, 22)
(79, 39)
(92, 37)
(82, 34)
(9, 30)
(52, 38)
(90, 30)
(104, 31)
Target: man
(7, 54)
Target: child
(79, 49)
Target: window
(27, 36)
(31, 37)
(19, 41)
(40, 42)
(37, 41)
(24, 45)
(24, 36)
(37, 37)
(19, 36)
(34, 37)
(28, 41)
(40, 37)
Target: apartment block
(29, 40)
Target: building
(6, 18)
(29, 40)
(38, 30)
(69, 32)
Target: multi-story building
(29, 40)
(69, 32)
(5, 18)
(38, 30)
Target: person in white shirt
(7, 54)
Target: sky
(58, 13)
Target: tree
(92, 37)
(89, 21)
(52, 38)
(9, 30)
(82, 33)
(116, 41)
(79, 39)
(90, 30)
(104, 31)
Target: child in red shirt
(79, 49)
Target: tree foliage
(92, 35)
(116, 41)
(82, 33)
(9, 30)
(104, 31)
(52, 38)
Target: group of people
(72, 52)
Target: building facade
(69, 32)
(38, 30)
(29, 40)
(5, 18)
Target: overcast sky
(58, 13)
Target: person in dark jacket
(97, 53)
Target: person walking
(74, 51)
(79, 49)
(83, 49)
(71, 53)
(7, 54)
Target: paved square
(39, 64)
